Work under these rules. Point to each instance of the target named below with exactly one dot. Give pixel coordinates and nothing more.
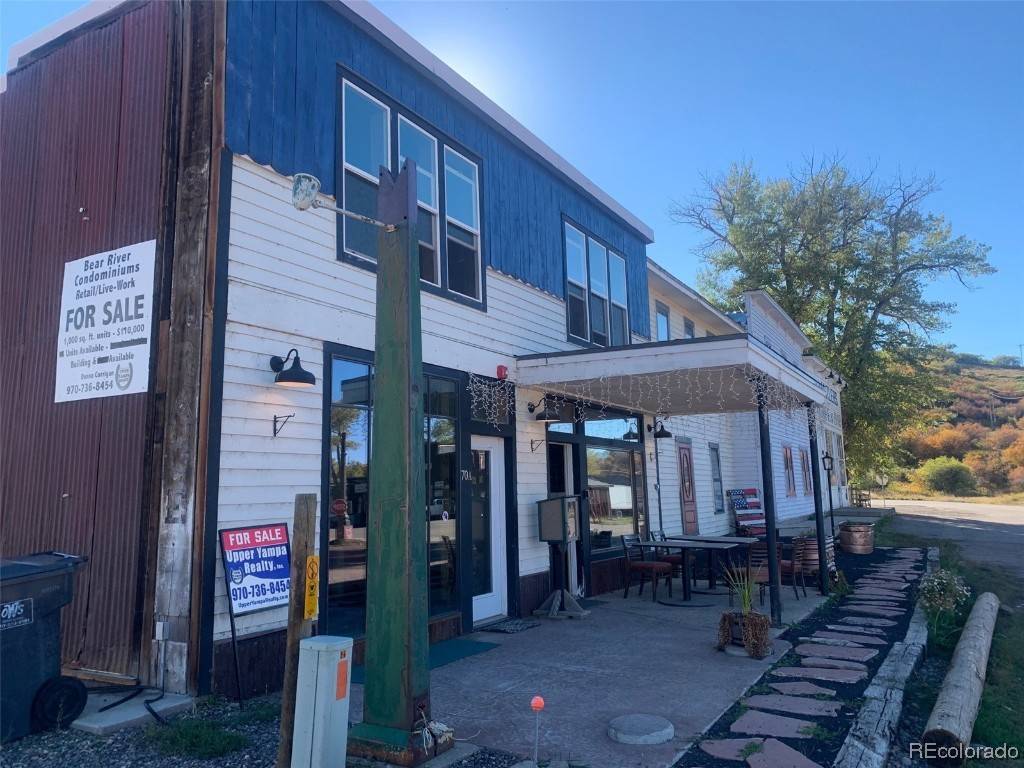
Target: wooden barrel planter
(857, 538)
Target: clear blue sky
(644, 97)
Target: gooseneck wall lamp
(658, 428)
(294, 375)
(547, 413)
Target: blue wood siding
(281, 108)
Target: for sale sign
(257, 567)
(106, 315)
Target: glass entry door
(490, 596)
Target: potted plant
(746, 628)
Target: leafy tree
(1006, 361)
(849, 258)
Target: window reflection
(349, 493)
(349, 497)
(615, 508)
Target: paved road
(985, 532)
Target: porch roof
(713, 374)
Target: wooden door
(686, 489)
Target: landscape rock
(802, 688)
(817, 661)
(775, 754)
(824, 634)
(794, 705)
(868, 622)
(729, 749)
(821, 673)
(836, 652)
(767, 724)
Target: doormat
(441, 653)
(510, 626)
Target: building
(553, 347)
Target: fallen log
(952, 720)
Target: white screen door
(490, 598)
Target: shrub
(988, 468)
(1016, 478)
(1014, 454)
(943, 596)
(946, 475)
(1003, 437)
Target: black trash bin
(34, 696)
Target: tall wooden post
(768, 482)
(396, 702)
(303, 544)
(819, 512)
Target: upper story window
(596, 294)
(461, 195)
(661, 315)
(366, 147)
(448, 221)
(421, 147)
(689, 331)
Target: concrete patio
(628, 656)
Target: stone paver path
(836, 652)
(794, 705)
(775, 754)
(826, 675)
(802, 688)
(856, 629)
(822, 663)
(867, 621)
(870, 610)
(852, 638)
(729, 749)
(766, 724)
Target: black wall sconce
(547, 413)
(658, 428)
(294, 375)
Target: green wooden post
(397, 693)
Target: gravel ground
(257, 725)
(136, 746)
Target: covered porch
(709, 376)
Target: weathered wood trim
(174, 564)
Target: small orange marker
(536, 704)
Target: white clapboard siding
(286, 288)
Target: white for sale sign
(106, 314)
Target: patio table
(684, 545)
(732, 541)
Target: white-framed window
(597, 257)
(421, 147)
(365, 147)
(717, 489)
(576, 290)
(462, 217)
(596, 296)
(618, 310)
(662, 328)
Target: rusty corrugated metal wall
(83, 126)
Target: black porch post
(819, 512)
(767, 482)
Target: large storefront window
(349, 493)
(442, 467)
(611, 454)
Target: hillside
(972, 442)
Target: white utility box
(321, 702)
